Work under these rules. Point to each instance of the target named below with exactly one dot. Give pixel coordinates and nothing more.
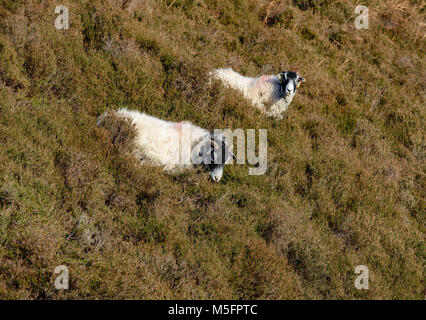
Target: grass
(345, 184)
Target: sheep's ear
(214, 144)
(282, 76)
(299, 81)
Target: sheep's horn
(214, 144)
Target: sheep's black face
(214, 154)
(289, 82)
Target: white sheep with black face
(176, 145)
(272, 94)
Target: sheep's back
(160, 141)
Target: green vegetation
(345, 184)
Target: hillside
(345, 184)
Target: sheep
(272, 94)
(176, 145)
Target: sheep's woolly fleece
(160, 141)
(264, 92)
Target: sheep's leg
(273, 111)
(278, 108)
(264, 110)
(261, 107)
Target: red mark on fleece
(178, 127)
(263, 79)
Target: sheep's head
(290, 82)
(213, 153)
